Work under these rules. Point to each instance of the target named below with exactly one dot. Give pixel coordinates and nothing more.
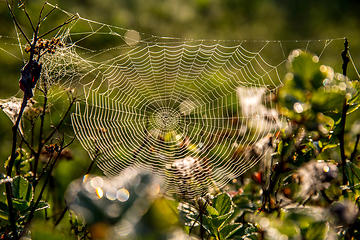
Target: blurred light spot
(234, 180)
(289, 76)
(295, 53)
(124, 228)
(349, 84)
(111, 193)
(135, 180)
(122, 195)
(335, 88)
(88, 187)
(99, 192)
(154, 190)
(283, 237)
(298, 107)
(326, 169)
(85, 178)
(323, 68)
(315, 59)
(264, 223)
(97, 182)
(338, 76)
(141, 190)
(113, 210)
(177, 137)
(272, 232)
(326, 82)
(348, 96)
(135, 213)
(342, 86)
(132, 37)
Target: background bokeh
(190, 19)
(200, 19)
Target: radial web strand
(197, 113)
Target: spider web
(197, 113)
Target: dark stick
(41, 143)
(345, 57)
(61, 121)
(341, 141)
(10, 166)
(16, 23)
(59, 26)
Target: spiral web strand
(197, 113)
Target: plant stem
(344, 55)
(10, 166)
(41, 143)
(341, 141)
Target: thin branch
(31, 215)
(28, 17)
(10, 166)
(40, 21)
(345, 57)
(352, 170)
(59, 26)
(40, 144)
(323, 193)
(27, 144)
(61, 121)
(341, 140)
(44, 169)
(17, 23)
(11, 209)
(41, 11)
(61, 216)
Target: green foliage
(287, 205)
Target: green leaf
(21, 205)
(41, 205)
(188, 214)
(4, 211)
(227, 231)
(307, 72)
(212, 211)
(22, 189)
(244, 203)
(219, 221)
(352, 173)
(222, 203)
(329, 146)
(209, 226)
(355, 99)
(280, 146)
